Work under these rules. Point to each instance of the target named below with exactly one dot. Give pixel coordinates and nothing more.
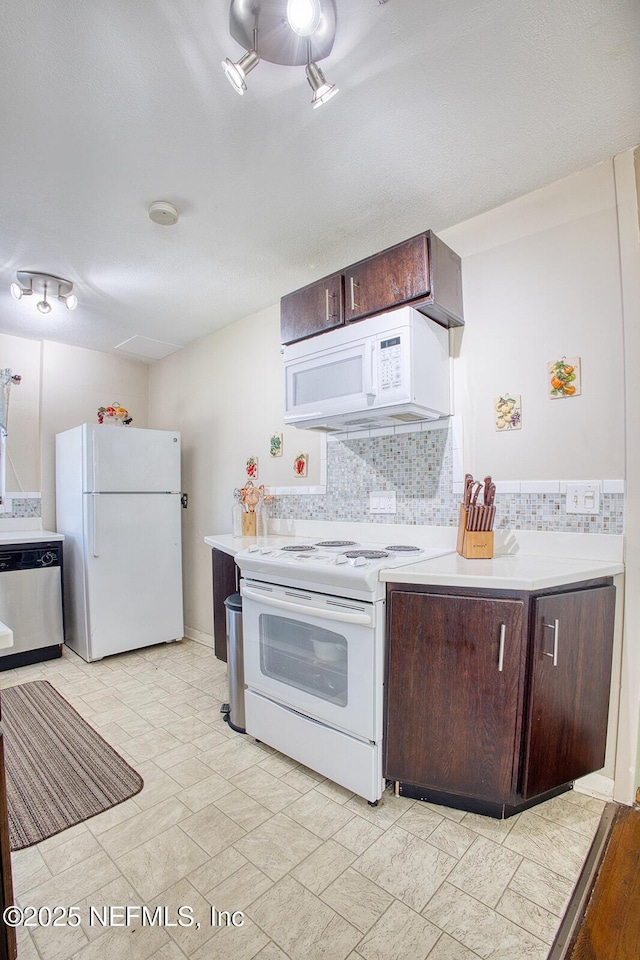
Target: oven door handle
(320, 612)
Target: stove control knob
(358, 561)
(266, 550)
(253, 548)
(341, 558)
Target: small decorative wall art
(252, 468)
(564, 378)
(300, 464)
(508, 411)
(275, 445)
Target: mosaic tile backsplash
(23, 507)
(419, 467)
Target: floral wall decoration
(508, 412)
(300, 464)
(275, 445)
(564, 378)
(252, 468)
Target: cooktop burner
(367, 554)
(403, 548)
(336, 543)
(298, 548)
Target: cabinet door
(313, 309)
(569, 693)
(225, 582)
(388, 279)
(454, 668)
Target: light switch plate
(382, 501)
(583, 497)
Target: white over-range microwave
(382, 371)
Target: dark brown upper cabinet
(313, 309)
(422, 272)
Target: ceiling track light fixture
(291, 33)
(30, 282)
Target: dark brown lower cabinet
(496, 700)
(225, 582)
(566, 729)
(8, 949)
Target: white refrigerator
(118, 504)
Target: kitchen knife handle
(503, 631)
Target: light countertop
(503, 572)
(28, 536)
(508, 572)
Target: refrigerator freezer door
(133, 571)
(131, 460)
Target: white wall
(75, 382)
(225, 395)
(61, 387)
(541, 280)
(23, 357)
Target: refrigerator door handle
(94, 464)
(94, 526)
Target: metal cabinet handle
(503, 631)
(352, 285)
(328, 296)
(553, 626)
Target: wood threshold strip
(602, 920)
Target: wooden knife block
(473, 544)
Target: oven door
(319, 655)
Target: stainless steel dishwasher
(31, 601)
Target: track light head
(236, 72)
(322, 91)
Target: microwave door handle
(371, 391)
(320, 613)
(304, 416)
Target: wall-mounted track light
(47, 284)
(287, 32)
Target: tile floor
(313, 871)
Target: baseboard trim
(595, 785)
(206, 639)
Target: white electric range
(314, 633)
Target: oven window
(304, 656)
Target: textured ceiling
(446, 108)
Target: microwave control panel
(390, 363)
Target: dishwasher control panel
(22, 556)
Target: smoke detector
(163, 212)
